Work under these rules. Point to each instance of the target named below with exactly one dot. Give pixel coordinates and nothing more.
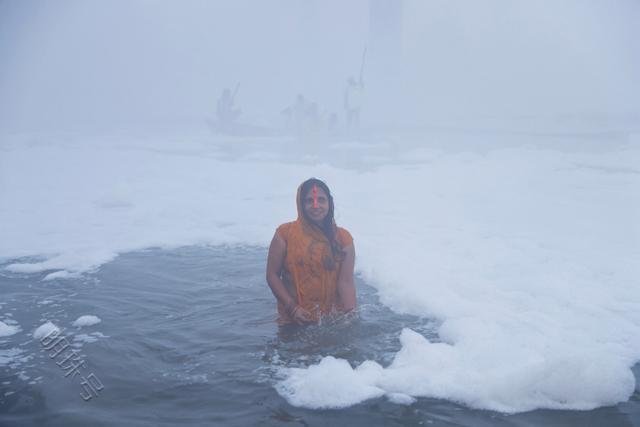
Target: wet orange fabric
(310, 270)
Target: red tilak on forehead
(315, 197)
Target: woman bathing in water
(311, 260)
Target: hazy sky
(111, 63)
(528, 56)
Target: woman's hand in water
(300, 315)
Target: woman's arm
(346, 286)
(275, 262)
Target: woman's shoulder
(284, 229)
(344, 237)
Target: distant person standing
(353, 102)
(354, 97)
(226, 112)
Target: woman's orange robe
(310, 271)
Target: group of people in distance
(302, 117)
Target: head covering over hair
(311, 266)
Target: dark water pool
(188, 337)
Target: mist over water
(76, 64)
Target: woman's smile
(316, 204)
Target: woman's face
(316, 204)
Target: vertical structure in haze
(385, 53)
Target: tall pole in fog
(385, 48)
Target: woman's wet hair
(328, 227)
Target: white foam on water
(7, 330)
(10, 356)
(44, 330)
(504, 382)
(62, 274)
(400, 398)
(527, 257)
(331, 384)
(80, 339)
(87, 338)
(86, 320)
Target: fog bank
(73, 63)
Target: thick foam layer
(331, 384)
(504, 378)
(527, 257)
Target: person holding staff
(354, 97)
(310, 265)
